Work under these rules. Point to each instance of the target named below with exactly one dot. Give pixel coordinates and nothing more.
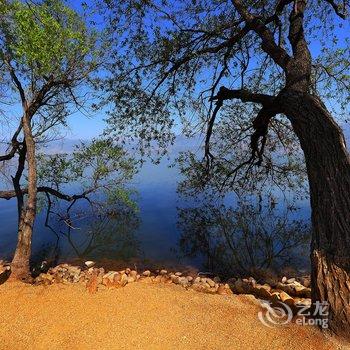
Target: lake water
(154, 238)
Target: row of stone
(290, 291)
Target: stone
(275, 298)
(302, 291)
(284, 279)
(127, 271)
(157, 279)
(189, 278)
(117, 277)
(133, 274)
(210, 282)
(163, 272)
(242, 287)
(291, 280)
(198, 287)
(89, 263)
(183, 281)
(252, 281)
(305, 281)
(146, 273)
(124, 279)
(108, 278)
(92, 284)
(223, 290)
(197, 280)
(178, 274)
(262, 292)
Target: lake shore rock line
(294, 292)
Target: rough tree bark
(328, 169)
(20, 263)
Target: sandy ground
(140, 316)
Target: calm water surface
(151, 238)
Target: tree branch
(243, 95)
(336, 9)
(44, 189)
(276, 52)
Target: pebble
(124, 279)
(133, 274)
(146, 273)
(163, 272)
(210, 282)
(178, 273)
(89, 263)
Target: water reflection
(244, 239)
(87, 232)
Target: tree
(280, 61)
(48, 60)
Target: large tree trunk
(20, 263)
(328, 168)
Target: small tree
(48, 57)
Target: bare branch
(44, 189)
(243, 95)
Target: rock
(284, 279)
(92, 284)
(210, 282)
(163, 272)
(117, 278)
(302, 291)
(262, 292)
(124, 280)
(189, 278)
(178, 274)
(133, 274)
(291, 280)
(197, 280)
(198, 287)
(285, 296)
(224, 289)
(252, 281)
(127, 271)
(44, 278)
(302, 302)
(275, 298)
(89, 263)
(157, 279)
(305, 281)
(242, 287)
(146, 273)
(108, 278)
(217, 279)
(183, 281)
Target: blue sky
(82, 127)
